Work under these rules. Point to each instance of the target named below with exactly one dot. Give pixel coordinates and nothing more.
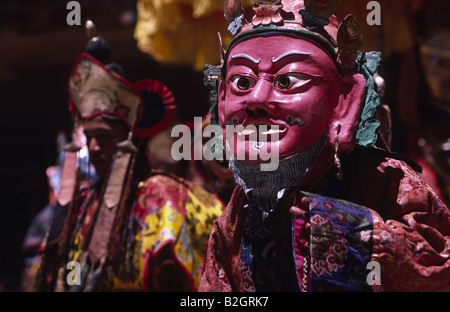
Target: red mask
(292, 83)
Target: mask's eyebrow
(289, 54)
(247, 57)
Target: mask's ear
(211, 79)
(222, 88)
(346, 114)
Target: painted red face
(281, 81)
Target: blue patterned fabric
(341, 244)
(340, 248)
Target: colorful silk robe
(163, 240)
(386, 220)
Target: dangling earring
(337, 161)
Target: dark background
(37, 52)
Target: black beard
(265, 188)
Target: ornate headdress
(310, 19)
(147, 106)
(313, 20)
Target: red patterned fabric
(162, 246)
(411, 230)
(414, 248)
(223, 269)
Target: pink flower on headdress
(267, 14)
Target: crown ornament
(267, 12)
(316, 14)
(314, 19)
(90, 30)
(349, 40)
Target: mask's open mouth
(261, 131)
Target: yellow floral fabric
(169, 223)
(182, 31)
(177, 211)
(185, 31)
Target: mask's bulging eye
(242, 83)
(283, 81)
(291, 80)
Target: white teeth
(261, 132)
(272, 131)
(247, 132)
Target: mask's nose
(257, 104)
